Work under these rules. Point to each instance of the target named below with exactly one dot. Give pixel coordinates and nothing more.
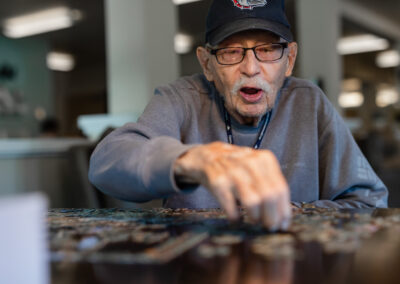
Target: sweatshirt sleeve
(135, 161)
(346, 178)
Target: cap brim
(240, 25)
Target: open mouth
(250, 91)
(250, 94)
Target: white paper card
(23, 240)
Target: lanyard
(261, 135)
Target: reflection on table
(201, 246)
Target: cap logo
(249, 4)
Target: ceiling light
(386, 97)
(40, 22)
(183, 43)
(386, 59)
(181, 2)
(351, 99)
(58, 61)
(361, 43)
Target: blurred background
(70, 71)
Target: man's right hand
(233, 173)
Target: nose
(250, 66)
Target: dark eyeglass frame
(214, 52)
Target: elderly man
(244, 132)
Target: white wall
(140, 51)
(318, 25)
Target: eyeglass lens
(233, 55)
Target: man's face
(250, 87)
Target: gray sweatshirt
(317, 153)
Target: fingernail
(285, 224)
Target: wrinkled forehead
(250, 35)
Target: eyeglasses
(264, 53)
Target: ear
(205, 60)
(291, 58)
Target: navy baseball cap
(227, 17)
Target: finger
(227, 201)
(219, 185)
(260, 190)
(277, 205)
(285, 224)
(275, 192)
(283, 202)
(270, 215)
(242, 186)
(286, 211)
(273, 202)
(268, 191)
(248, 197)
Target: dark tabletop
(201, 246)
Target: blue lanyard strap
(261, 135)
